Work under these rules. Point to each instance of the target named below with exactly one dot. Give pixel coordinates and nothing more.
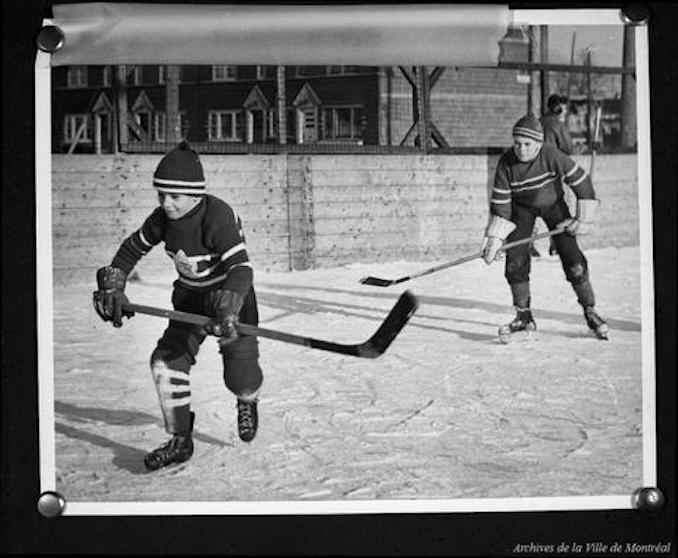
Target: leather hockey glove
(108, 300)
(226, 306)
(495, 235)
(582, 224)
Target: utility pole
(544, 58)
(628, 91)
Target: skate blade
(518, 336)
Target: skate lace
(246, 414)
(166, 450)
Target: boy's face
(177, 205)
(525, 149)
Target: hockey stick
(372, 348)
(378, 282)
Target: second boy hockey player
(527, 185)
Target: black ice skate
(596, 323)
(522, 328)
(248, 420)
(177, 450)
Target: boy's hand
(226, 306)
(110, 297)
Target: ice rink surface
(447, 412)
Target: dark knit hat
(180, 172)
(529, 127)
(555, 101)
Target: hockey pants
(518, 261)
(175, 354)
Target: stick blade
(376, 281)
(396, 320)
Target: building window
(342, 122)
(72, 128)
(224, 73)
(266, 72)
(106, 76)
(161, 74)
(77, 76)
(223, 126)
(336, 69)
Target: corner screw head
(51, 504)
(649, 500)
(50, 39)
(635, 14)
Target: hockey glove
(495, 235)
(226, 306)
(110, 297)
(582, 224)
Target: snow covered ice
(447, 412)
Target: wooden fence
(306, 211)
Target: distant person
(557, 133)
(554, 124)
(527, 185)
(204, 238)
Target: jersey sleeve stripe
(577, 182)
(572, 171)
(533, 179)
(237, 248)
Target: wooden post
(172, 117)
(113, 119)
(281, 103)
(120, 77)
(423, 98)
(628, 91)
(97, 133)
(530, 59)
(383, 112)
(589, 101)
(544, 58)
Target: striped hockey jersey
(536, 183)
(207, 246)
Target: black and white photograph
(347, 260)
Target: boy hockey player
(204, 238)
(527, 185)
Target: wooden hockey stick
(378, 282)
(375, 346)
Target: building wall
(471, 107)
(305, 211)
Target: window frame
(76, 77)
(72, 123)
(230, 72)
(212, 125)
(330, 131)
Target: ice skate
(177, 450)
(248, 420)
(596, 323)
(522, 328)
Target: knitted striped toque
(180, 172)
(528, 126)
